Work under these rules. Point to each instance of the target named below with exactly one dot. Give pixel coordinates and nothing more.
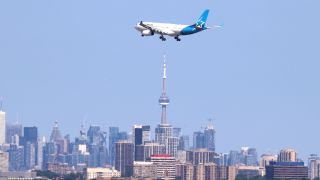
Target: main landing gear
(177, 38)
(162, 38)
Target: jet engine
(147, 32)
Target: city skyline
(164, 125)
(256, 77)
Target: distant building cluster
(115, 154)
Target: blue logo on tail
(200, 25)
(203, 19)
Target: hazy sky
(257, 77)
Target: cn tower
(164, 99)
(164, 130)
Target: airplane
(173, 30)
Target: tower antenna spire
(164, 66)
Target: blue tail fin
(203, 18)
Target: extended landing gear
(177, 38)
(162, 38)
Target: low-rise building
(93, 173)
(142, 169)
(286, 170)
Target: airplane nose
(137, 27)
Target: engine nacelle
(147, 32)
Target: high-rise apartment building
(166, 166)
(265, 159)
(208, 171)
(124, 157)
(314, 169)
(200, 156)
(287, 155)
(2, 127)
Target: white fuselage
(161, 28)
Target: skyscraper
(183, 143)
(2, 127)
(55, 133)
(31, 134)
(137, 135)
(137, 139)
(30, 143)
(146, 150)
(124, 157)
(164, 129)
(39, 158)
(94, 135)
(11, 131)
(198, 140)
(209, 137)
(16, 157)
(113, 138)
(234, 158)
(251, 159)
(172, 146)
(30, 155)
(141, 135)
(97, 147)
(176, 132)
(146, 133)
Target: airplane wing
(163, 31)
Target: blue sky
(257, 77)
